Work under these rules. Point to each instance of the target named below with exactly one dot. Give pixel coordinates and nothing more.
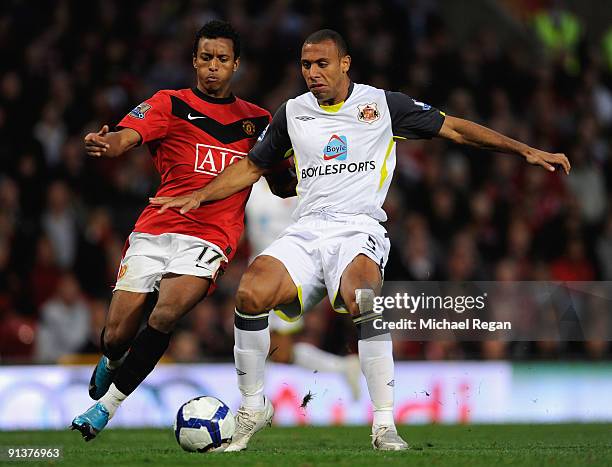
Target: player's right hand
(185, 203)
(95, 144)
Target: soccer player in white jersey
(342, 137)
(267, 216)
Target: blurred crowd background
(539, 71)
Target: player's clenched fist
(95, 143)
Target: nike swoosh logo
(191, 117)
(328, 158)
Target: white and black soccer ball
(204, 424)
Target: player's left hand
(185, 203)
(547, 159)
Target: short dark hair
(214, 30)
(328, 35)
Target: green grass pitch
(431, 445)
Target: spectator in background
(560, 31)
(184, 347)
(5, 275)
(31, 176)
(574, 264)
(91, 264)
(587, 185)
(50, 132)
(416, 259)
(64, 322)
(206, 322)
(518, 247)
(604, 250)
(606, 45)
(97, 309)
(59, 224)
(9, 197)
(45, 274)
(483, 225)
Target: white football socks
(112, 399)
(312, 358)
(251, 349)
(376, 357)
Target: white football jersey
(345, 154)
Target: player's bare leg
(178, 294)
(122, 322)
(282, 347)
(360, 283)
(264, 285)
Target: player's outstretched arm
(463, 131)
(234, 178)
(111, 144)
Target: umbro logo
(240, 372)
(194, 117)
(304, 118)
(391, 383)
(371, 243)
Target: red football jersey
(192, 137)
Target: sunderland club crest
(368, 113)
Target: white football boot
(385, 438)
(249, 422)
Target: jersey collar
(336, 107)
(213, 100)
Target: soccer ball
(204, 424)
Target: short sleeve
(150, 118)
(274, 141)
(412, 119)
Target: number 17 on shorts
(210, 259)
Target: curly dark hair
(215, 29)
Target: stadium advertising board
(461, 392)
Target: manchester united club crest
(368, 113)
(249, 127)
(122, 271)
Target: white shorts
(316, 250)
(282, 326)
(148, 257)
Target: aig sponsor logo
(212, 160)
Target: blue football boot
(92, 421)
(101, 379)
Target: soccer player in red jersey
(193, 135)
